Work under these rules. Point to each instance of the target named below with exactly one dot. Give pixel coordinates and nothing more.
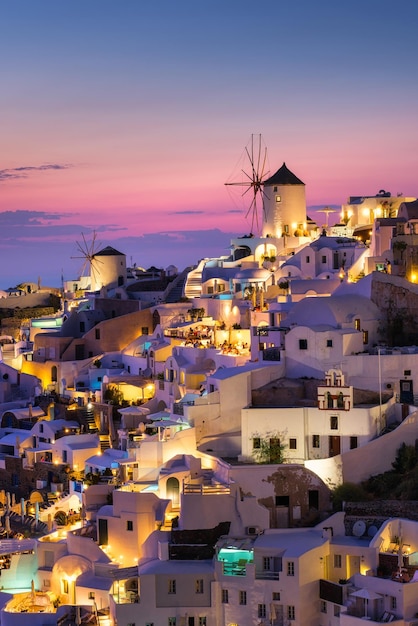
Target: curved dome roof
(335, 311)
(70, 566)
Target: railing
(201, 489)
(267, 575)
(234, 569)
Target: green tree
(348, 492)
(268, 448)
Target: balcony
(267, 574)
(347, 619)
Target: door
(173, 491)
(103, 536)
(334, 445)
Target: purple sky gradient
(129, 117)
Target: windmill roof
(283, 176)
(109, 251)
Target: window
(278, 198)
(315, 441)
(323, 259)
(171, 621)
(129, 525)
(333, 422)
(292, 444)
(303, 344)
(199, 585)
(323, 606)
(329, 343)
(65, 586)
(261, 610)
(172, 585)
(275, 188)
(276, 596)
(407, 372)
(92, 595)
(82, 327)
(393, 603)
(357, 324)
(64, 456)
(97, 333)
(267, 563)
(47, 583)
(337, 560)
(202, 620)
(144, 330)
(225, 596)
(308, 259)
(290, 568)
(291, 613)
(243, 597)
(336, 610)
(256, 443)
(41, 428)
(353, 443)
(365, 336)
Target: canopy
(366, 594)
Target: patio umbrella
(367, 595)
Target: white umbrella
(367, 595)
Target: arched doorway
(173, 491)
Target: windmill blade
(252, 178)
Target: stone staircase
(88, 415)
(193, 286)
(177, 290)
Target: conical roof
(108, 251)
(283, 176)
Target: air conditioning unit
(252, 530)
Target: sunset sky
(128, 116)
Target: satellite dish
(359, 528)
(371, 531)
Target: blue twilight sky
(129, 116)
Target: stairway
(88, 415)
(104, 442)
(358, 277)
(193, 286)
(177, 290)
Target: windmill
(87, 253)
(253, 172)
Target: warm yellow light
(413, 278)
(366, 212)
(350, 213)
